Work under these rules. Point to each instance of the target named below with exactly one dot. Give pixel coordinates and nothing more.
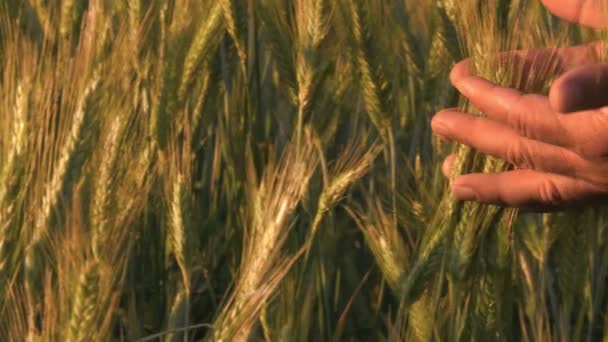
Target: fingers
(580, 89)
(502, 142)
(534, 63)
(526, 189)
(530, 115)
(588, 132)
(497, 140)
(586, 12)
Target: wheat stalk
(55, 186)
(54, 190)
(373, 83)
(179, 314)
(312, 27)
(11, 167)
(83, 314)
(233, 13)
(103, 201)
(11, 175)
(386, 244)
(352, 166)
(205, 41)
(273, 203)
(157, 129)
(45, 19)
(276, 27)
(180, 230)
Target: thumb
(582, 88)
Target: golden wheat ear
(271, 206)
(354, 163)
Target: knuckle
(550, 193)
(520, 122)
(518, 154)
(515, 118)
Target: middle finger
(500, 141)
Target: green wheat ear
(312, 26)
(353, 166)
(235, 15)
(85, 305)
(374, 86)
(205, 42)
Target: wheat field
(264, 170)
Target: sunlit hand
(585, 12)
(558, 144)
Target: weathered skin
(558, 143)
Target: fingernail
(464, 193)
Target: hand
(560, 159)
(586, 12)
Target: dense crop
(265, 170)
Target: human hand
(560, 159)
(586, 12)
